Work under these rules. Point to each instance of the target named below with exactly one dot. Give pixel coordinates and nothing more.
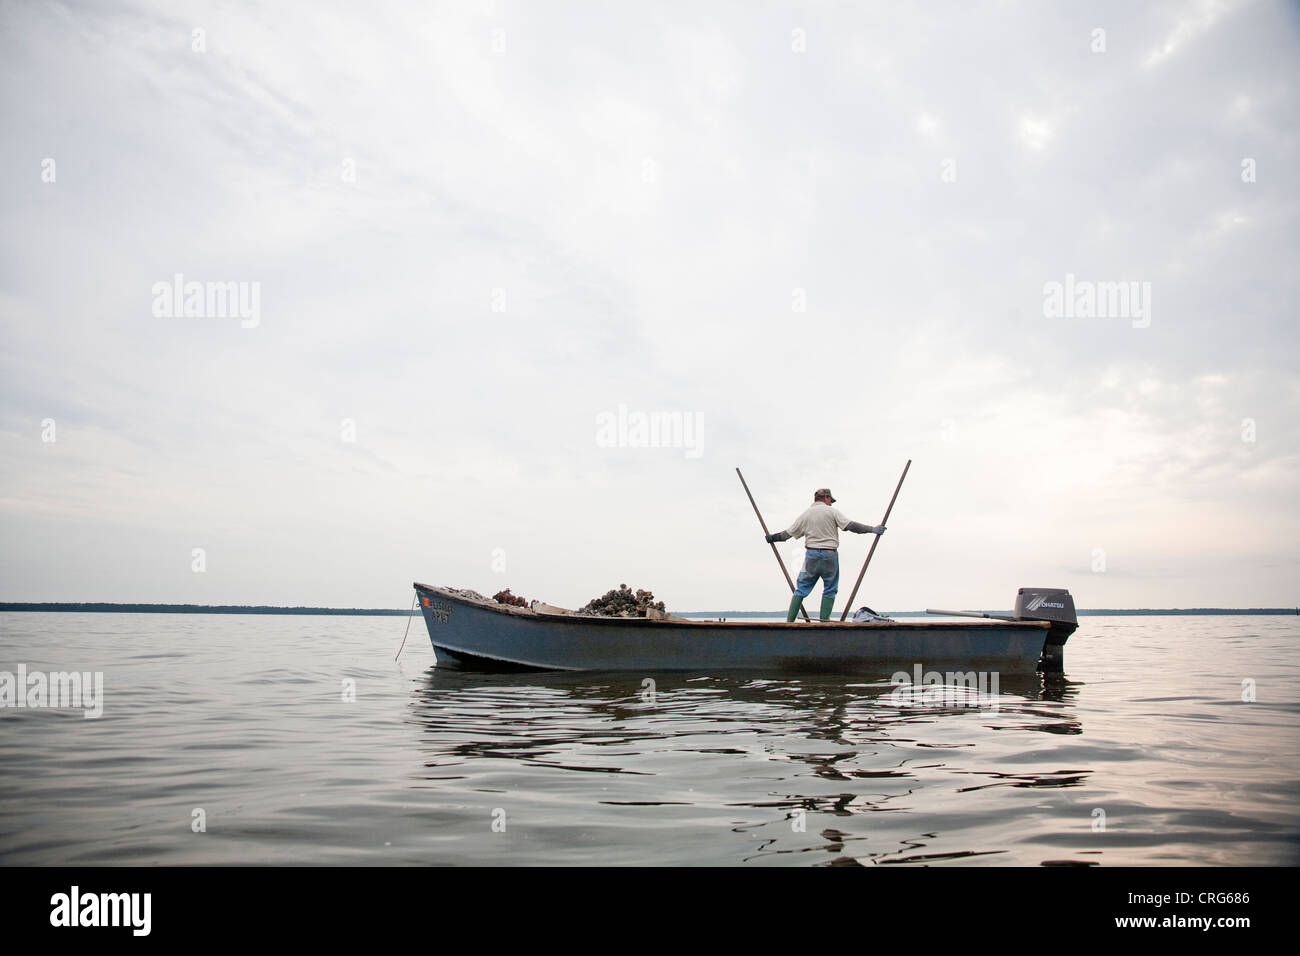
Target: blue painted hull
(468, 634)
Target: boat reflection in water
(682, 768)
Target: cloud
(476, 229)
(1192, 21)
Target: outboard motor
(1056, 606)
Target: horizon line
(108, 607)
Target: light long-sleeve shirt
(820, 526)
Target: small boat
(472, 632)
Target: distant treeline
(103, 608)
(1194, 610)
(99, 608)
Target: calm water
(244, 718)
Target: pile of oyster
(623, 603)
(505, 597)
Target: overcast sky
(824, 236)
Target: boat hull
(467, 634)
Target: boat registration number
(439, 611)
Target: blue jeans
(823, 564)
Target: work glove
(878, 529)
(778, 536)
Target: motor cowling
(1056, 606)
(1047, 604)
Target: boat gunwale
(605, 620)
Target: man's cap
(823, 493)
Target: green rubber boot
(795, 604)
(827, 604)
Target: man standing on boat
(820, 526)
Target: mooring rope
(410, 614)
